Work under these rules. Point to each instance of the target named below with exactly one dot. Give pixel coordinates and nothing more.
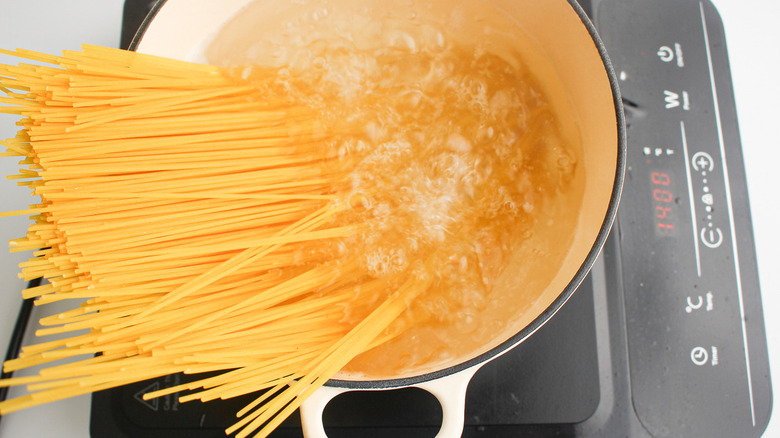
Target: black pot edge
(145, 24)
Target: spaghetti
(269, 225)
(177, 202)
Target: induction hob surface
(665, 337)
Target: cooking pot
(566, 53)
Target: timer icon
(699, 356)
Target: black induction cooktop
(665, 338)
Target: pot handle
(313, 407)
(449, 390)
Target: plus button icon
(702, 161)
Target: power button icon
(711, 237)
(699, 356)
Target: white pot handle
(451, 393)
(313, 407)
(449, 390)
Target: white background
(753, 36)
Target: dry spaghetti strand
(195, 215)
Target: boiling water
(449, 151)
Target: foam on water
(453, 153)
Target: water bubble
(466, 321)
(439, 37)
(509, 207)
(360, 201)
(565, 163)
(373, 131)
(402, 40)
(463, 264)
(458, 143)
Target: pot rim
(579, 276)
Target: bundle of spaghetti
(194, 218)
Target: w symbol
(672, 99)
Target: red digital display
(664, 203)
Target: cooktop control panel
(696, 342)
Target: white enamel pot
(584, 83)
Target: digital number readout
(664, 203)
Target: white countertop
(752, 33)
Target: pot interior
(560, 52)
